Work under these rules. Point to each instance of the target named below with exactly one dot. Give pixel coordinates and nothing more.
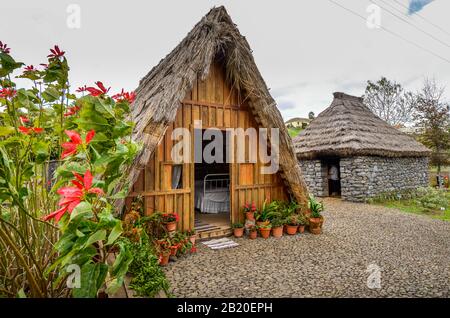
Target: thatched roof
(161, 91)
(348, 127)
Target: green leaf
(100, 235)
(104, 108)
(50, 94)
(40, 149)
(92, 278)
(6, 130)
(21, 294)
(115, 233)
(83, 208)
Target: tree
(311, 115)
(432, 117)
(388, 100)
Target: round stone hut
(350, 152)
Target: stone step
(216, 233)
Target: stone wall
(363, 177)
(315, 177)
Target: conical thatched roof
(161, 91)
(348, 127)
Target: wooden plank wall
(217, 105)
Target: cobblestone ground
(413, 253)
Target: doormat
(220, 243)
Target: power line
(394, 33)
(413, 25)
(423, 18)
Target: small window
(177, 176)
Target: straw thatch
(161, 91)
(348, 128)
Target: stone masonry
(364, 177)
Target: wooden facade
(217, 105)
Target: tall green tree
(432, 117)
(389, 101)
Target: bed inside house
(212, 191)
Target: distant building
(349, 151)
(298, 122)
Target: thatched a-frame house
(210, 76)
(370, 156)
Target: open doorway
(333, 177)
(212, 181)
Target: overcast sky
(304, 49)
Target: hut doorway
(333, 177)
(211, 180)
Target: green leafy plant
(268, 211)
(237, 225)
(148, 279)
(315, 207)
(87, 140)
(278, 222)
(264, 226)
(292, 220)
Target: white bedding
(217, 201)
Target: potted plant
(192, 236)
(302, 221)
(238, 229)
(264, 230)
(315, 219)
(252, 232)
(267, 212)
(292, 224)
(164, 256)
(249, 211)
(170, 221)
(277, 227)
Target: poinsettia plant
(63, 156)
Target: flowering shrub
(87, 139)
(249, 207)
(169, 217)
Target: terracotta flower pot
(253, 234)
(291, 229)
(171, 226)
(315, 225)
(301, 228)
(250, 216)
(265, 233)
(173, 250)
(277, 231)
(164, 259)
(238, 232)
(193, 238)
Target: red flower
(81, 89)
(56, 52)
(193, 249)
(97, 92)
(70, 148)
(125, 96)
(29, 68)
(7, 92)
(72, 196)
(72, 111)
(27, 131)
(4, 48)
(24, 120)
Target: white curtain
(176, 176)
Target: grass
(412, 206)
(294, 131)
